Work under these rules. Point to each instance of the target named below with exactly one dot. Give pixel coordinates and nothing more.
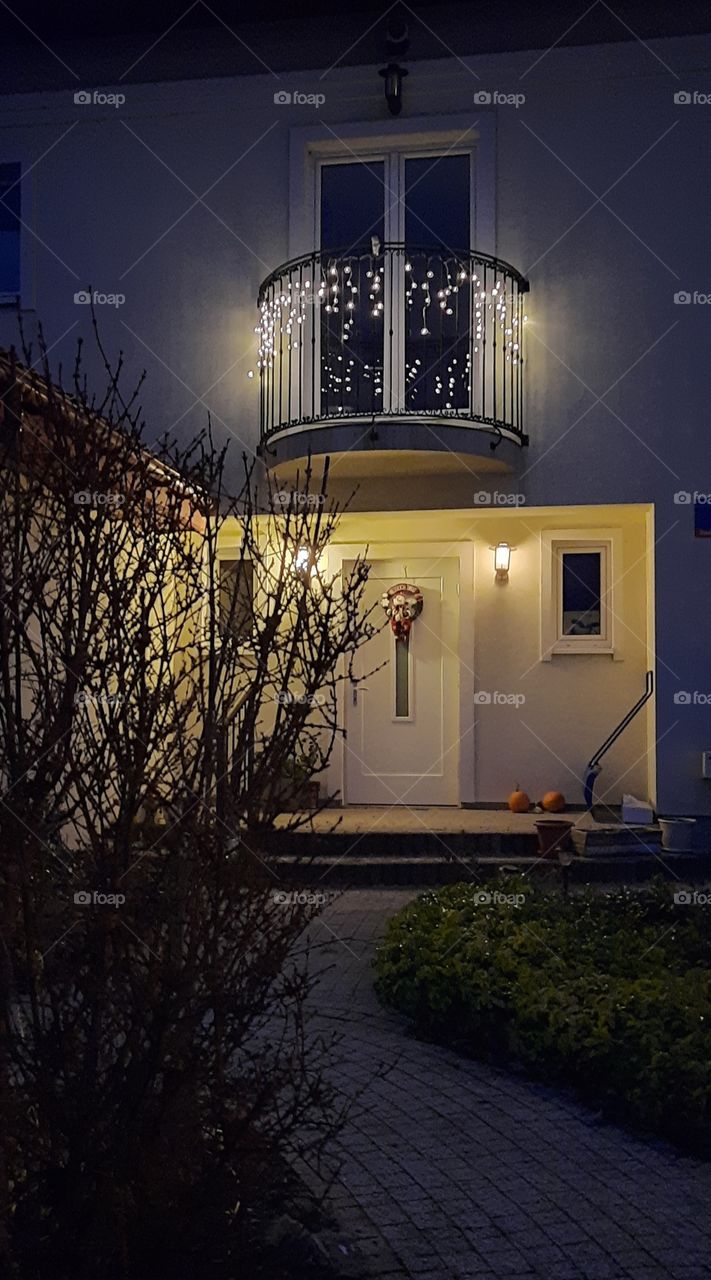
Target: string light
(481, 319)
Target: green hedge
(607, 992)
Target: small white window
(578, 595)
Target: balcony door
(395, 327)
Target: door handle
(355, 692)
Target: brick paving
(453, 1170)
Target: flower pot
(553, 834)
(677, 834)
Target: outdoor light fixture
(397, 43)
(302, 561)
(393, 75)
(502, 561)
(565, 861)
(305, 563)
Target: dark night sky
(515, 24)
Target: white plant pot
(677, 834)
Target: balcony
(393, 347)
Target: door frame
(393, 154)
(463, 551)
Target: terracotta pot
(553, 834)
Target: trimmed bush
(607, 992)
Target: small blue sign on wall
(702, 519)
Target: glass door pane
(582, 593)
(402, 678)
(9, 231)
(352, 204)
(352, 287)
(437, 303)
(437, 202)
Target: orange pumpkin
(553, 801)
(519, 802)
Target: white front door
(402, 723)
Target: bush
(158, 1069)
(608, 992)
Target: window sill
(564, 649)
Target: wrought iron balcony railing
(393, 331)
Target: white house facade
(489, 311)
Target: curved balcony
(395, 335)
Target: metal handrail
(392, 330)
(461, 255)
(594, 767)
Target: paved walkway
(464, 1171)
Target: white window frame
(554, 543)
(393, 160)
(308, 145)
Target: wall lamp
(303, 562)
(393, 75)
(397, 43)
(502, 560)
(306, 563)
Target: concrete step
(320, 872)
(402, 844)
(607, 841)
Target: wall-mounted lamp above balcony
(502, 561)
(393, 76)
(397, 43)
